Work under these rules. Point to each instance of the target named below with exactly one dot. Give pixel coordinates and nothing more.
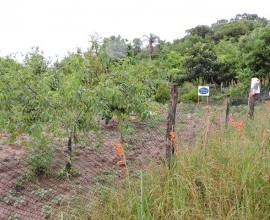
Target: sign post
(255, 86)
(203, 91)
(254, 89)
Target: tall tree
(95, 40)
(201, 31)
(228, 60)
(256, 51)
(152, 41)
(137, 45)
(201, 62)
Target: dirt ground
(93, 166)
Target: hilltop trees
(255, 51)
(200, 63)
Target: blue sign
(203, 91)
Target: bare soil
(92, 166)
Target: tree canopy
(115, 77)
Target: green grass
(225, 174)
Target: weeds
(14, 217)
(227, 178)
(39, 159)
(14, 199)
(63, 172)
(43, 193)
(46, 211)
(127, 131)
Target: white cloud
(57, 26)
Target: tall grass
(225, 174)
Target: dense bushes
(162, 94)
(188, 93)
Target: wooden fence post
(227, 111)
(170, 144)
(251, 105)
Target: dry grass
(224, 175)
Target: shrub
(163, 94)
(239, 95)
(189, 93)
(39, 158)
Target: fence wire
(35, 182)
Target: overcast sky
(59, 26)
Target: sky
(59, 26)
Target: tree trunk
(170, 145)
(69, 151)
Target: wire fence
(35, 181)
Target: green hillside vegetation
(227, 53)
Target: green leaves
(255, 49)
(116, 78)
(201, 62)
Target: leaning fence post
(170, 135)
(227, 110)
